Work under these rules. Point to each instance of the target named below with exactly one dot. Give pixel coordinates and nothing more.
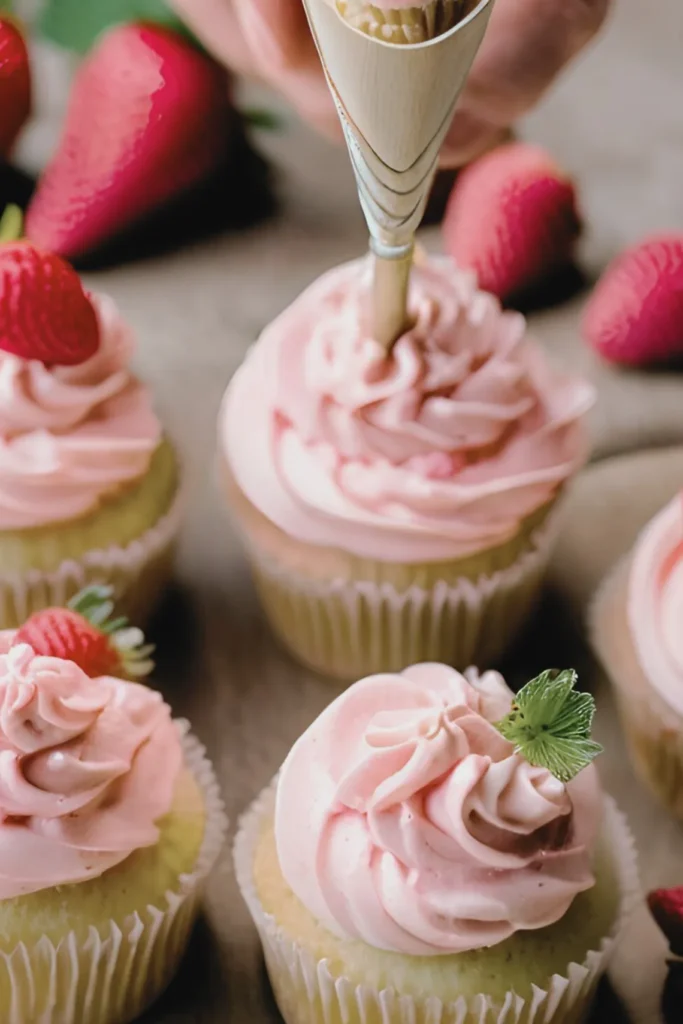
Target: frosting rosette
(436, 451)
(406, 820)
(655, 602)
(71, 435)
(87, 768)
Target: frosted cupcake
(399, 509)
(88, 481)
(416, 861)
(636, 627)
(110, 821)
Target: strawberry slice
(149, 118)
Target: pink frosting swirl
(655, 602)
(404, 819)
(87, 767)
(436, 452)
(70, 435)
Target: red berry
(44, 311)
(62, 633)
(149, 118)
(666, 906)
(635, 315)
(512, 217)
(15, 84)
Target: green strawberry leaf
(550, 724)
(6, 5)
(262, 119)
(76, 24)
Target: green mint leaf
(76, 24)
(550, 724)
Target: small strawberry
(149, 118)
(44, 312)
(15, 84)
(512, 217)
(666, 906)
(85, 634)
(635, 315)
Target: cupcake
(399, 508)
(416, 859)
(88, 481)
(636, 630)
(110, 820)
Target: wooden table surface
(615, 121)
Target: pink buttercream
(87, 768)
(404, 819)
(655, 602)
(436, 452)
(70, 435)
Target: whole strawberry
(635, 315)
(44, 312)
(15, 84)
(666, 906)
(86, 634)
(149, 117)
(512, 217)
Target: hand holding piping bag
(528, 43)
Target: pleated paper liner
(352, 628)
(308, 993)
(122, 968)
(654, 731)
(138, 572)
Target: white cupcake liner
(653, 729)
(308, 993)
(21, 594)
(356, 627)
(123, 967)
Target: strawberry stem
(11, 224)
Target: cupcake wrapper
(307, 993)
(140, 566)
(654, 731)
(119, 970)
(353, 628)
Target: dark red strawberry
(15, 84)
(85, 634)
(44, 312)
(149, 118)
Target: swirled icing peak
(70, 435)
(435, 452)
(655, 602)
(87, 768)
(405, 819)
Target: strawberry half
(635, 315)
(44, 312)
(15, 84)
(512, 218)
(149, 117)
(85, 633)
